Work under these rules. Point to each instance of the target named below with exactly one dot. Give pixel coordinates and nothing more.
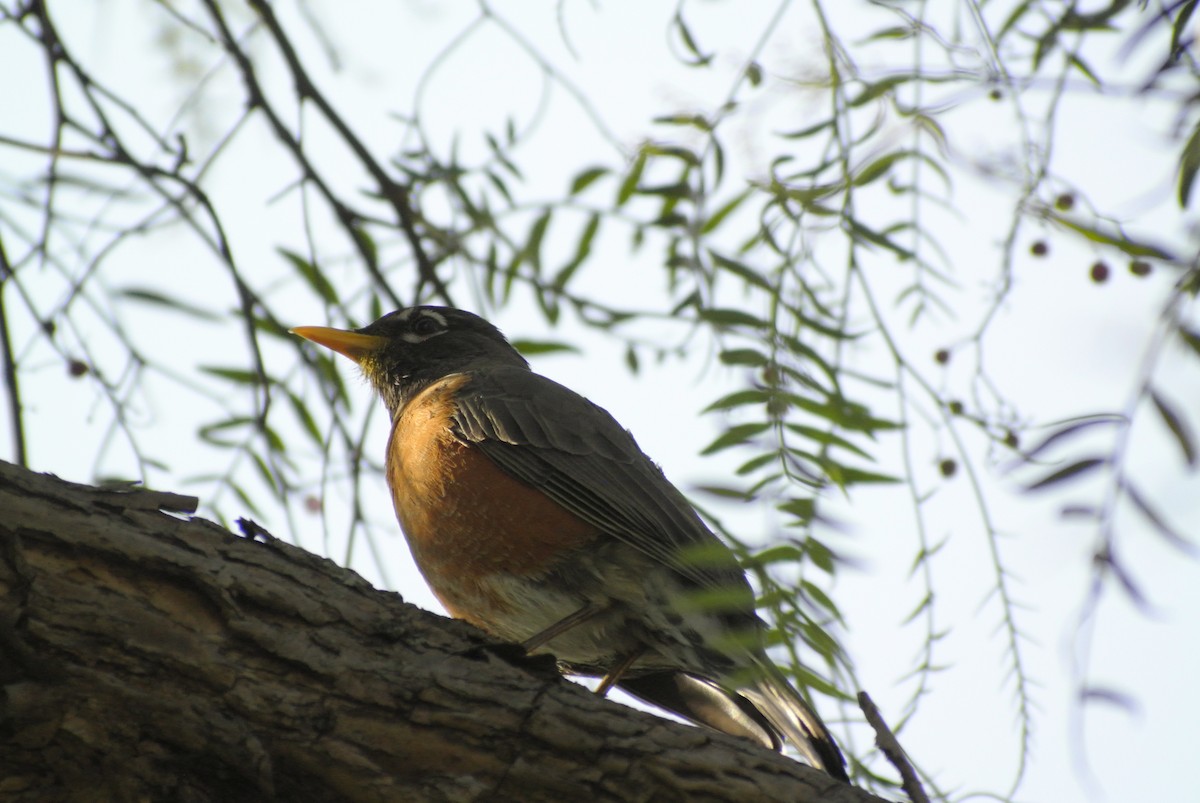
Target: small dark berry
(1139, 267)
(77, 368)
(1039, 249)
(942, 356)
(947, 467)
(1010, 439)
(1099, 273)
(1065, 201)
(49, 328)
(956, 407)
(995, 94)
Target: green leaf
(718, 217)
(802, 508)
(735, 435)
(312, 276)
(307, 422)
(586, 178)
(1073, 471)
(209, 432)
(741, 270)
(274, 442)
(808, 132)
(1013, 18)
(897, 32)
(877, 238)
(537, 234)
(1179, 30)
(268, 478)
(148, 296)
(245, 499)
(1192, 339)
(534, 347)
(692, 120)
(632, 178)
(689, 43)
(738, 398)
(778, 553)
(1070, 428)
(631, 359)
(1177, 426)
(755, 463)
(1115, 239)
(878, 88)
(238, 375)
(821, 598)
(1082, 66)
(1189, 163)
(724, 491)
(827, 438)
(1164, 529)
(819, 554)
(583, 250)
(730, 317)
(742, 357)
(848, 475)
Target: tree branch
(146, 655)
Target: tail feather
(705, 703)
(788, 712)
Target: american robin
(534, 515)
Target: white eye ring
(428, 325)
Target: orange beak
(351, 344)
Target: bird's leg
(614, 674)
(562, 626)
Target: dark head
(409, 349)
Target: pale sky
(1061, 346)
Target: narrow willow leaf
(821, 598)
(731, 317)
(755, 463)
(779, 553)
(802, 508)
(1115, 239)
(819, 554)
(533, 347)
(739, 398)
(739, 433)
(583, 250)
(632, 178)
(148, 296)
(312, 276)
(1072, 471)
(740, 269)
(1070, 428)
(742, 357)
(586, 178)
(307, 422)
(1160, 524)
(1110, 696)
(718, 217)
(1177, 426)
(238, 375)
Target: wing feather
(552, 438)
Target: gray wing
(552, 438)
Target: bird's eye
(426, 326)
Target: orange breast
(465, 519)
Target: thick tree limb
(146, 656)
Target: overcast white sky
(1061, 346)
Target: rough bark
(152, 656)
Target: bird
(535, 516)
